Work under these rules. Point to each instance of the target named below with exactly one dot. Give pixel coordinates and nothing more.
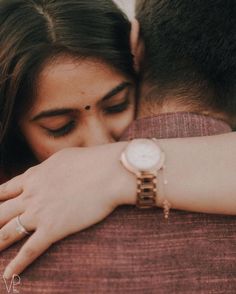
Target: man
(186, 69)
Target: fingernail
(7, 273)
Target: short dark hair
(34, 31)
(191, 48)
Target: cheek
(40, 144)
(41, 149)
(119, 123)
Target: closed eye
(62, 131)
(118, 108)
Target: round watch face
(144, 155)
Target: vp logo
(13, 284)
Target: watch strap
(146, 190)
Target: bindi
(88, 107)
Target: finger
(33, 248)
(11, 188)
(10, 209)
(10, 233)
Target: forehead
(74, 81)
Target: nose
(97, 133)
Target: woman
(49, 52)
(48, 102)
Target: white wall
(127, 6)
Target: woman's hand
(69, 192)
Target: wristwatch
(144, 158)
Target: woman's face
(77, 104)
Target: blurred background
(127, 6)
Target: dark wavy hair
(34, 31)
(191, 49)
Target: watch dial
(144, 155)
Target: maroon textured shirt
(137, 251)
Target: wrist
(144, 159)
(123, 183)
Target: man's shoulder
(175, 125)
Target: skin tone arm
(200, 173)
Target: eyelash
(118, 108)
(63, 131)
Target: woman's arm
(79, 187)
(201, 173)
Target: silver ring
(20, 228)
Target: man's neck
(174, 104)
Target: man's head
(190, 55)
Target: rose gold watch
(144, 158)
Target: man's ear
(137, 46)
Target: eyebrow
(66, 111)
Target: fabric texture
(138, 251)
(176, 125)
